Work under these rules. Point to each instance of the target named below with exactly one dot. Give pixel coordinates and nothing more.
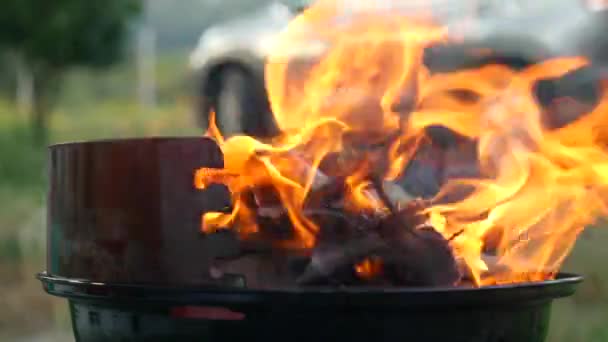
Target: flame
(363, 108)
(213, 131)
(369, 268)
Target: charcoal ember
(333, 263)
(409, 97)
(406, 103)
(341, 164)
(492, 240)
(467, 274)
(406, 218)
(419, 257)
(257, 271)
(294, 158)
(270, 216)
(263, 196)
(563, 111)
(423, 175)
(344, 240)
(327, 188)
(297, 264)
(415, 254)
(261, 242)
(340, 226)
(219, 278)
(246, 267)
(276, 227)
(444, 157)
(359, 144)
(442, 136)
(330, 195)
(359, 152)
(461, 160)
(411, 252)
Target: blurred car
(229, 59)
(228, 64)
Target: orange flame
(538, 189)
(213, 131)
(369, 268)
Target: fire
(369, 268)
(361, 112)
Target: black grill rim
(563, 285)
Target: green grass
(119, 84)
(21, 164)
(584, 316)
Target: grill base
(125, 312)
(98, 322)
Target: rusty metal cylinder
(126, 211)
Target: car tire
(239, 105)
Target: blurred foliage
(46, 38)
(63, 33)
(7, 81)
(21, 163)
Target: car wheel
(239, 105)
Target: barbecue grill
(125, 249)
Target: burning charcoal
(299, 168)
(296, 264)
(329, 195)
(408, 99)
(270, 216)
(219, 278)
(406, 218)
(423, 175)
(461, 160)
(492, 239)
(277, 226)
(396, 194)
(274, 228)
(564, 111)
(339, 225)
(256, 243)
(247, 267)
(411, 254)
(405, 104)
(263, 196)
(442, 136)
(416, 254)
(371, 272)
(334, 263)
(341, 164)
(420, 257)
(256, 270)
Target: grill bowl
(124, 247)
(130, 312)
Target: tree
(50, 37)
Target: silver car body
(520, 29)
